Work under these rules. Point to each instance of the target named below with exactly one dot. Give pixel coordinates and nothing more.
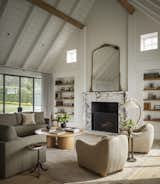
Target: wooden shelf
(63, 106)
(64, 91)
(64, 84)
(152, 78)
(152, 120)
(157, 99)
(154, 110)
(60, 99)
(151, 89)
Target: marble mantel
(90, 97)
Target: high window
(17, 91)
(149, 41)
(71, 56)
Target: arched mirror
(105, 74)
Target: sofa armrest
(7, 133)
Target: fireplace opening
(105, 116)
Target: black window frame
(20, 77)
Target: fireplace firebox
(105, 116)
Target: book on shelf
(72, 129)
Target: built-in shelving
(64, 96)
(151, 96)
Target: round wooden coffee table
(63, 141)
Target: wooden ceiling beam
(51, 9)
(130, 8)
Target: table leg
(66, 142)
(51, 142)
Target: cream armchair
(143, 138)
(107, 156)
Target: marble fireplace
(104, 107)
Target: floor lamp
(132, 104)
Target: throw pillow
(39, 117)
(28, 119)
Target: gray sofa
(15, 157)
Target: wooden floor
(63, 168)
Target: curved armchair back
(107, 156)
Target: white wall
(139, 62)
(62, 69)
(106, 23)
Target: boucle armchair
(107, 156)
(143, 138)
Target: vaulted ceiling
(30, 37)
(151, 8)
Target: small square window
(149, 41)
(71, 56)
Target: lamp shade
(133, 104)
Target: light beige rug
(63, 168)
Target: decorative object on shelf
(147, 106)
(63, 119)
(130, 124)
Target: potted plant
(63, 119)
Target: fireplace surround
(114, 97)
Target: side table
(39, 165)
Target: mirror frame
(102, 46)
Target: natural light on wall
(71, 56)
(149, 41)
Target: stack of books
(57, 132)
(72, 129)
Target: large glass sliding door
(1, 93)
(11, 93)
(27, 94)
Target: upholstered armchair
(143, 138)
(107, 156)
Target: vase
(63, 125)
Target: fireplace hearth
(105, 116)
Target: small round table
(62, 141)
(39, 165)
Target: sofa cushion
(8, 119)
(7, 133)
(39, 117)
(28, 119)
(26, 130)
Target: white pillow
(28, 119)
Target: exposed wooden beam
(51, 9)
(130, 8)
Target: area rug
(63, 168)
